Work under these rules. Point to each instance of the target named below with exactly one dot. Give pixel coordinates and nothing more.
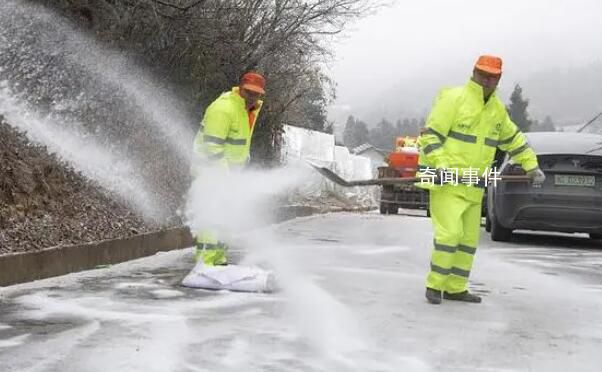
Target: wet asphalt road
(351, 300)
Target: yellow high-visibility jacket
(463, 132)
(226, 130)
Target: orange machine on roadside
(402, 162)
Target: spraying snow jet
(337, 337)
(110, 168)
(120, 115)
(234, 202)
(236, 205)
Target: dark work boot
(433, 296)
(462, 296)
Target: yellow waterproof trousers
(456, 215)
(208, 249)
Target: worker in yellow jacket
(224, 138)
(410, 141)
(463, 130)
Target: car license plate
(574, 180)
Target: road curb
(28, 266)
(24, 267)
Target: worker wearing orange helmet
(224, 139)
(465, 127)
(410, 141)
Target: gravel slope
(44, 203)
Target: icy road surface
(353, 300)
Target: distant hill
(570, 96)
(573, 95)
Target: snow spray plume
(326, 323)
(109, 167)
(100, 96)
(234, 202)
(329, 326)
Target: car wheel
(393, 209)
(498, 232)
(595, 236)
(383, 208)
(487, 223)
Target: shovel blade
(332, 176)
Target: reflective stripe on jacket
(225, 133)
(463, 132)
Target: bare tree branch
(181, 8)
(204, 45)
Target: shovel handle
(513, 178)
(505, 178)
(332, 176)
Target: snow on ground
(352, 300)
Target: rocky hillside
(44, 203)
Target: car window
(595, 151)
(594, 126)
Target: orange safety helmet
(489, 64)
(253, 81)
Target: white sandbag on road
(231, 277)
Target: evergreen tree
(383, 135)
(548, 124)
(407, 124)
(399, 127)
(518, 109)
(362, 134)
(349, 132)
(407, 127)
(355, 133)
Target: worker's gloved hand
(537, 177)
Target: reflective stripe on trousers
(457, 225)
